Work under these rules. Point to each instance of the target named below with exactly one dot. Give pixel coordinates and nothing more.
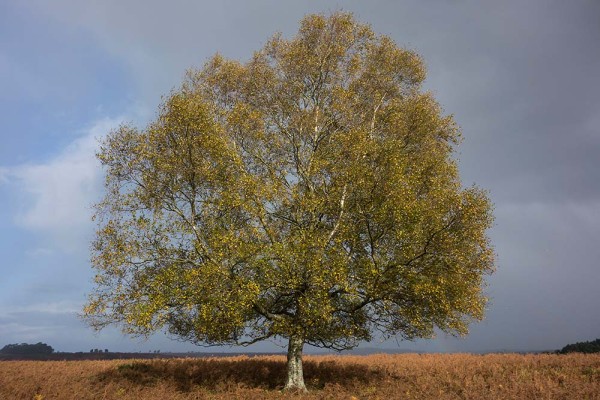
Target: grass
(406, 376)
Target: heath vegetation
(407, 376)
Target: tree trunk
(295, 375)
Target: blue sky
(521, 79)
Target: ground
(403, 376)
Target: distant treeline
(582, 347)
(26, 349)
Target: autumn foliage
(311, 193)
(410, 376)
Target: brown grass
(410, 376)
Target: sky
(522, 79)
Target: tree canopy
(27, 349)
(310, 193)
(582, 347)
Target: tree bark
(295, 375)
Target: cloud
(38, 322)
(520, 78)
(4, 172)
(158, 41)
(58, 194)
(39, 253)
(50, 308)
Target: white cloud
(40, 252)
(58, 307)
(25, 333)
(4, 173)
(38, 322)
(59, 193)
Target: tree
(309, 194)
(582, 347)
(27, 349)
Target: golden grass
(407, 376)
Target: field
(405, 376)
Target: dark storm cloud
(525, 89)
(522, 79)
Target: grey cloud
(522, 80)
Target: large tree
(310, 194)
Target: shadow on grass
(184, 374)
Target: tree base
(295, 374)
(293, 388)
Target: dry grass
(456, 376)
